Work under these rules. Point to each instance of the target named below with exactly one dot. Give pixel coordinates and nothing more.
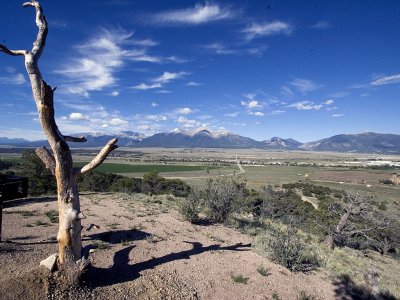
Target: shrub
(52, 215)
(263, 271)
(239, 279)
(286, 248)
(96, 181)
(127, 185)
(176, 187)
(386, 181)
(382, 206)
(152, 183)
(305, 296)
(220, 197)
(189, 207)
(40, 180)
(5, 165)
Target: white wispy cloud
(32, 135)
(204, 117)
(188, 123)
(387, 80)
(144, 86)
(222, 49)
(168, 76)
(193, 83)
(304, 85)
(337, 115)
(268, 28)
(321, 25)
(154, 104)
(306, 105)
(257, 114)
(199, 14)
(251, 104)
(232, 115)
(277, 112)
(219, 48)
(77, 116)
(143, 42)
(329, 102)
(341, 94)
(118, 122)
(114, 93)
(287, 91)
(13, 77)
(184, 111)
(97, 60)
(156, 118)
(175, 59)
(87, 106)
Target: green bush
(239, 278)
(286, 248)
(95, 181)
(4, 165)
(152, 183)
(40, 180)
(190, 207)
(382, 206)
(176, 187)
(127, 185)
(220, 198)
(386, 181)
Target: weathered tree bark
(330, 238)
(60, 161)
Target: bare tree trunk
(386, 246)
(60, 162)
(330, 238)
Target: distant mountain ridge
(369, 142)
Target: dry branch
(47, 158)
(110, 146)
(12, 52)
(73, 139)
(60, 162)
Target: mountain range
(368, 142)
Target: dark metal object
(11, 187)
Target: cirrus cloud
(199, 14)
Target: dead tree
(386, 236)
(59, 161)
(345, 229)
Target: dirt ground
(144, 251)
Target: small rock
(50, 262)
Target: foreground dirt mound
(144, 251)
(30, 285)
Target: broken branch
(73, 139)
(12, 52)
(47, 158)
(110, 146)
(41, 23)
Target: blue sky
(300, 69)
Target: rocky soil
(144, 251)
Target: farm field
(119, 168)
(349, 171)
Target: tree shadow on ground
(122, 271)
(118, 236)
(346, 289)
(25, 201)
